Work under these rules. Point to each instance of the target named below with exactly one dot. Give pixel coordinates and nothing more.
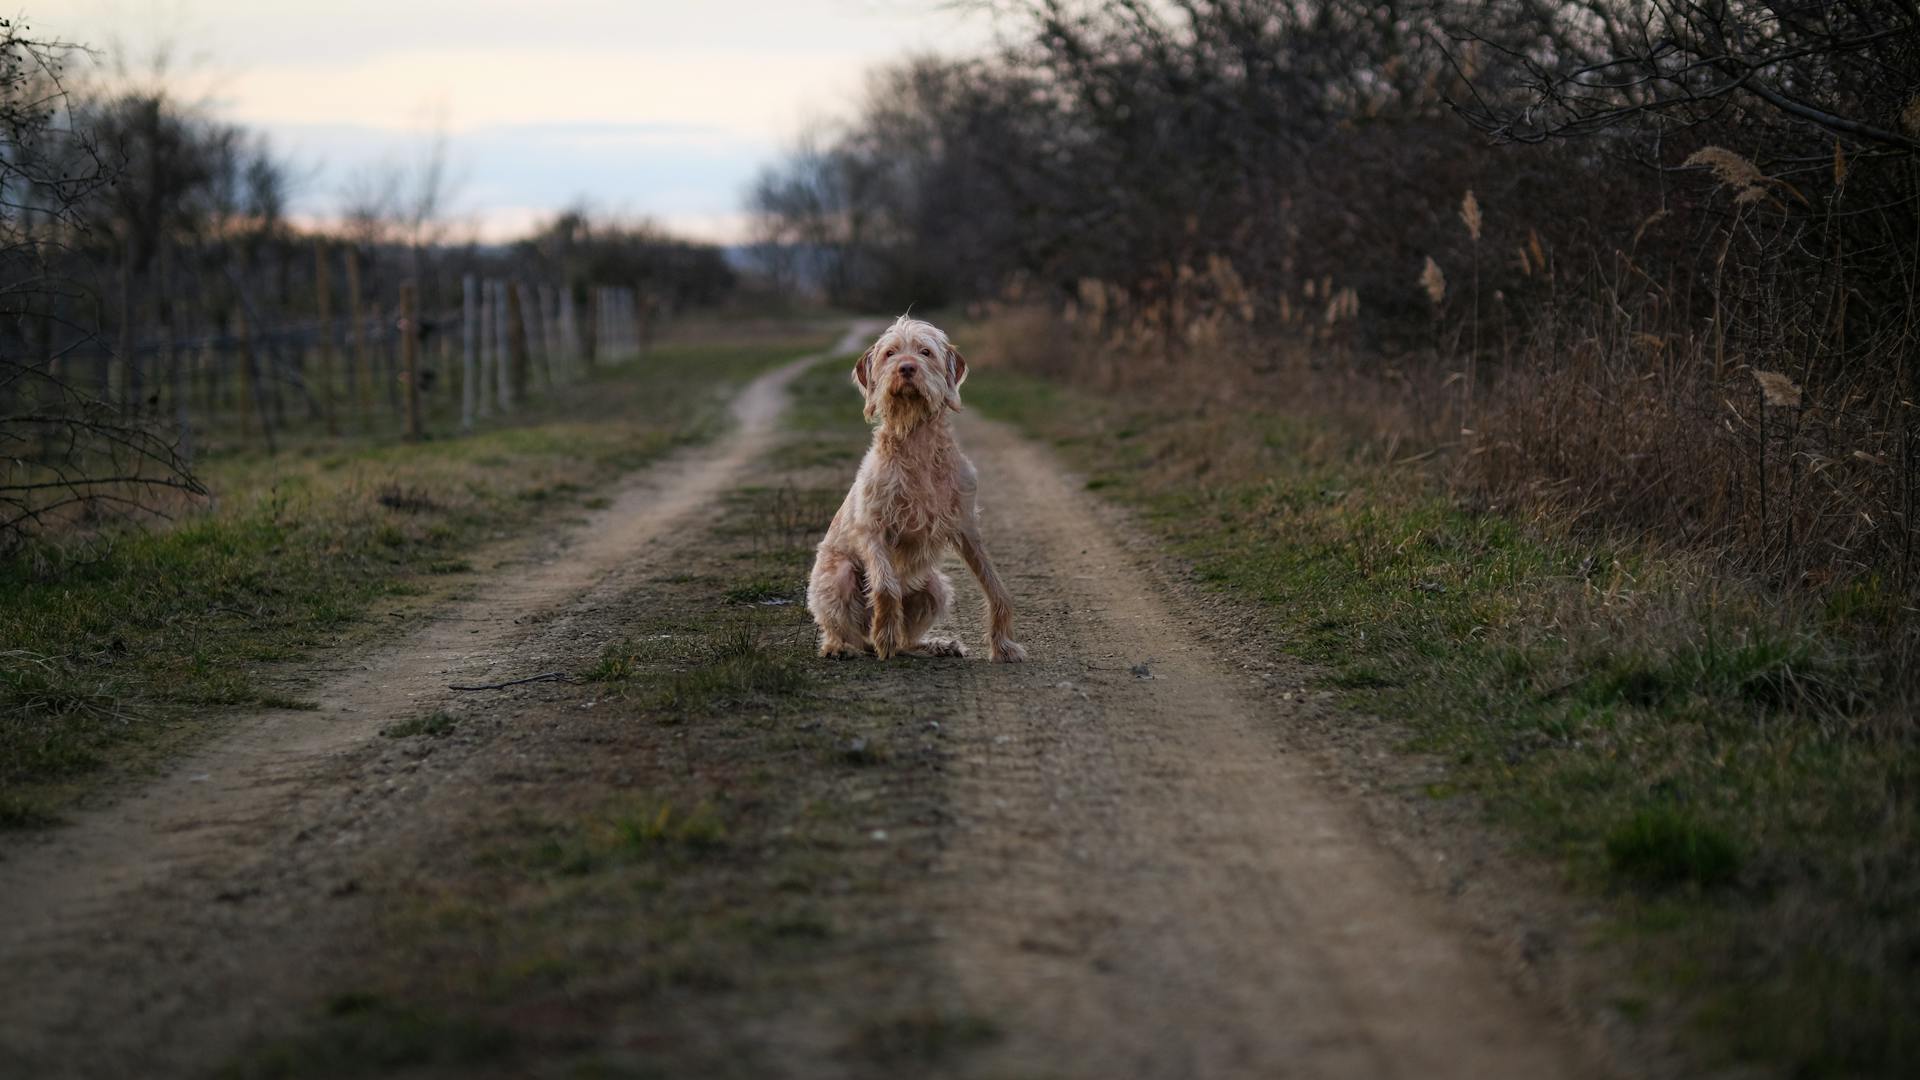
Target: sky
(643, 108)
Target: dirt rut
(1143, 881)
(212, 810)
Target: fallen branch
(548, 677)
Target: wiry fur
(876, 587)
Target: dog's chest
(920, 503)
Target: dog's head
(910, 374)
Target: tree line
(158, 296)
(1653, 260)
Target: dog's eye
(926, 352)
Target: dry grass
(1723, 758)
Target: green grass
(740, 672)
(1662, 847)
(1733, 773)
(823, 414)
(120, 648)
(920, 1038)
(630, 832)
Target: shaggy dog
(876, 587)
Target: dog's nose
(907, 369)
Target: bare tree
(64, 452)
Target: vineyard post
(590, 320)
(242, 380)
(489, 349)
(324, 354)
(516, 340)
(502, 361)
(569, 329)
(410, 354)
(469, 346)
(640, 312)
(537, 344)
(362, 381)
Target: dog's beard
(908, 403)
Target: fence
(377, 368)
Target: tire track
(68, 894)
(1144, 882)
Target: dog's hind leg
(837, 597)
(925, 605)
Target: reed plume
(1432, 280)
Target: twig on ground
(548, 677)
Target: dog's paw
(839, 650)
(888, 642)
(1009, 652)
(939, 647)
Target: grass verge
(124, 646)
(1735, 775)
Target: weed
(739, 670)
(698, 829)
(921, 1037)
(22, 813)
(764, 589)
(1663, 847)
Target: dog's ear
(956, 374)
(863, 378)
(862, 370)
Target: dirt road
(1163, 888)
(1129, 872)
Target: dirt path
(1147, 880)
(66, 892)
(1112, 856)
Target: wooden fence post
(410, 355)
(390, 357)
(324, 355)
(484, 385)
(536, 324)
(570, 329)
(616, 348)
(557, 331)
(250, 368)
(596, 326)
(378, 356)
(117, 378)
(469, 345)
(362, 382)
(640, 319)
(502, 362)
(516, 340)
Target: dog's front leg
(888, 632)
(1000, 643)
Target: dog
(876, 586)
